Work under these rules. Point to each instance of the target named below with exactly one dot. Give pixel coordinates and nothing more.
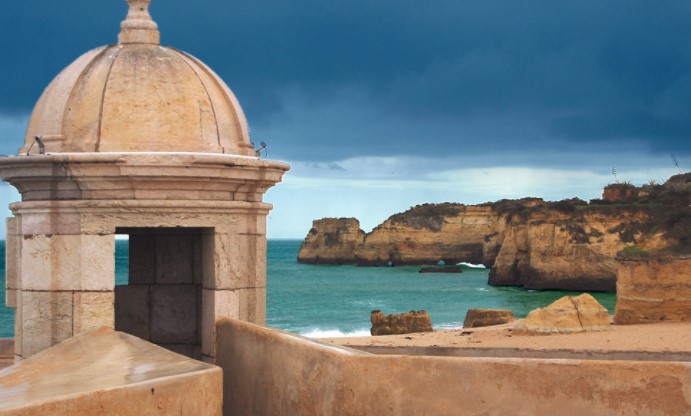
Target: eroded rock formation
(476, 318)
(404, 323)
(331, 241)
(565, 315)
(567, 250)
(567, 245)
(653, 288)
(424, 234)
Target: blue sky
(381, 105)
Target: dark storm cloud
(337, 79)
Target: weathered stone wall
(269, 372)
(653, 289)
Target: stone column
(67, 279)
(12, 261)
(235, 287)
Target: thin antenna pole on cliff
(676, 162)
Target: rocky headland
(567, 245)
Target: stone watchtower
(146, 141)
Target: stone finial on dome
(138, 27)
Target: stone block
(252, 223)
(96, 262)
(50, 222)
(230, 223)
(170, 194)
(174, 259)
(174, 314)
(259, 277)
(46, 319)
(223, 216)
(101, 223)
(65, 264)
(253, 305)
(239, 262)
(216, 304)
(68, 262)
(92, 310)
(132, 310)
(36, 262)
(142, 259)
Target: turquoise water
(337, 300)
(6, 314)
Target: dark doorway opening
(162, 301)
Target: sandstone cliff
(424, 234)
(567, 245)
(653, 288)
(427, 234)
(570, 249)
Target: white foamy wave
(449, 325)
(334, 333)
(471, 265)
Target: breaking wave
(471, 265)
(334, 333)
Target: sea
(332, 301)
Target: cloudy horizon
(379, 106)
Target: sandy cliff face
(421, 235)
(565, 250)
(653, 289)
(428, 234)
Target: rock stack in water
(404, 323)
(567, 315)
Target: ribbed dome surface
(139, 97)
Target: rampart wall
(270, 372)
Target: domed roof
(138, 96)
